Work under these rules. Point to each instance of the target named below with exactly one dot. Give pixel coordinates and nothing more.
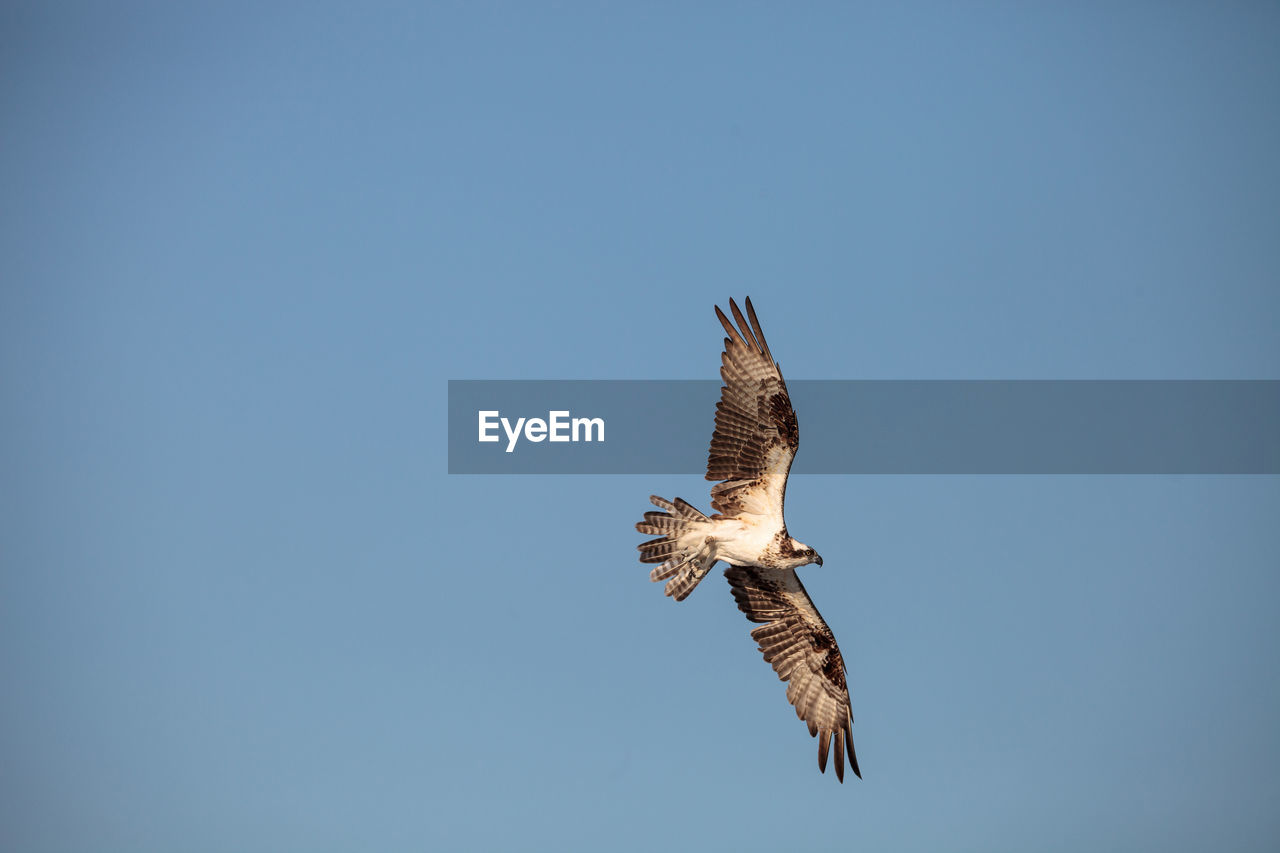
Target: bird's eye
(808, 552)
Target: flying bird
(754, 442)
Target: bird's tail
(683, 548)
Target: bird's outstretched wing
(803, 651)
(756, 434)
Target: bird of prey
(754, 442)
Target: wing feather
(755, 327)
(756, 434)
(796, 640)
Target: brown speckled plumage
(755, 440)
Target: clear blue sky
(243, 248)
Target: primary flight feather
(754, 442)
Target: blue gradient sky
(243, 607)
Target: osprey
(754, 441)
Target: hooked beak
(817, 560)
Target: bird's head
(805, 553)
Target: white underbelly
(741, 542)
